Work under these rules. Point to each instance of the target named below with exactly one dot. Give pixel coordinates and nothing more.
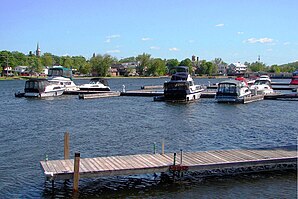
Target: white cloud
(269, 50)
(260, 40)
(240, 33)
(219, 25)
(146, 38)
(173, 49)
(113, 51)
(154, 47)
(113, 36)
(110, 37)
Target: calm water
(31, 128)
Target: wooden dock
(99, 95)
(245, 159)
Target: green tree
(156, 67)
(101, 64)
(127, 59)
(144, 60)
(66, 61)
(257, 67)
(47, 59)
(78, 62)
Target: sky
(234, 30)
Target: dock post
(162, 147)
(154, 148)
(76, 174)
(66, 145)
(174, 159)
(181, 153)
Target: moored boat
(262, 85)
(294, 82)
(63, 77)
(40, 88)
(181, 87)
(96, 84)
(232, 91)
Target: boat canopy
(229, 86)
(101, 80)
(60, 71)
(36, 85)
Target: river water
(33, 128)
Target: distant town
(36, 64)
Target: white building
(237, 68)
(20, 69)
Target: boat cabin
(99, 80)
(60, 71)
(36, 85)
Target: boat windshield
(261, 82)
(227, 88)
(176, 86)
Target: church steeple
(37, 53)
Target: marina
(117, 127)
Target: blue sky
(234, 30)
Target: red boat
(294, 81)
(242, 79)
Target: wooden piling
(162, 147)
(66, 146)
(181, 154)
(76, 175)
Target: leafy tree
(128, 59)
(144, 60)
(101, 64)
(66, 61)
(171, 64)
(78, 61)
(257, 66)
(86, 68)
(47, 59)
(156, 67)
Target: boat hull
(44, 94)
(181, 96)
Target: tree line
(147, 65)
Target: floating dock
(207, 163)
(249, 160)
(99, 95)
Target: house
(20, 69)
(237, 68)
(7, 71)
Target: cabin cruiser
(294, 82)
(233, 91)
(41, 88)
(62, 76)
(262, 85)
(181, 87)
(96, 84)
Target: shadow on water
(190, 185)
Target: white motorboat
(181, 87)
(96, 84)
(232, 91)
(262, 85)
(62, 76)
(42, 88)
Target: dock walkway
(268, 159)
